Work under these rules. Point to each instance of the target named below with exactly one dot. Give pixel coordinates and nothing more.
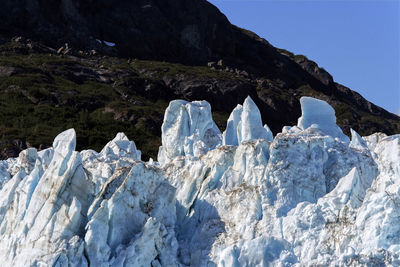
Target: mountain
(308, 196)
(125, 60)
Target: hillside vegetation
(43, 93)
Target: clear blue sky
(357, 42)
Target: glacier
(309, 196)
(188, 129)
(245, 124)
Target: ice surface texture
(244, 124)
(309, 196)
(319, 114)
(188, 129)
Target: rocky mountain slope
(308, 196)
(160, 50)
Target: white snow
(111, 44)
(307, 197)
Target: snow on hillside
(308, 196)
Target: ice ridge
(306, 197)
(244, 124)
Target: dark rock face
(222, 94)
(194, 33)
(190, 32)
(176, 30)
(7, 71)
(312, 68)
(11, 148)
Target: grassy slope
(36, 103)
(42, 98)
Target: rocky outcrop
(11, 148)
(172, 30)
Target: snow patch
(110, 44)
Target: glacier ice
(230, 135)
(268, 136)
(58, 216)
(356, 141)
(318, 114)
(119, 147)
(307, 196)
(188, 129)
(244, 124)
